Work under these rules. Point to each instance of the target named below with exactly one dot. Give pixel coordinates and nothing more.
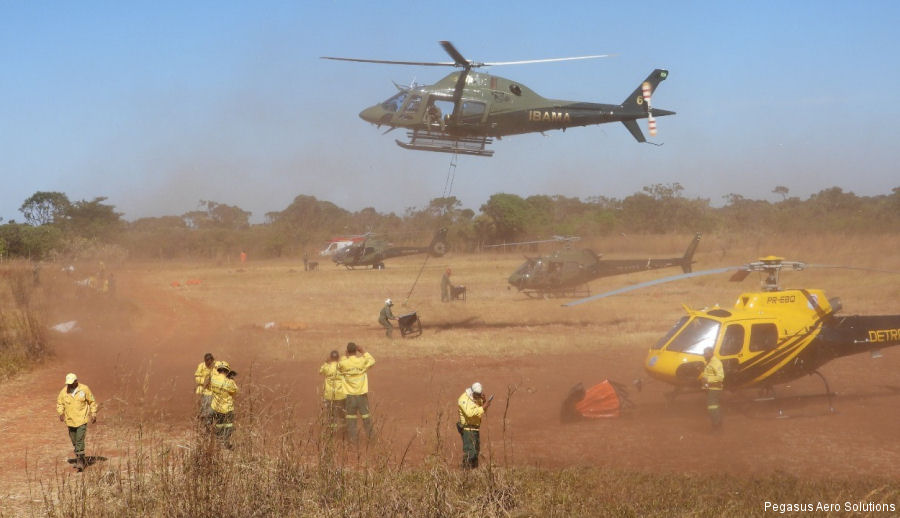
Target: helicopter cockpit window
(413, 105)
(763, 337)
(514, 88)
(662, 341)
(696, 335)
(733, 340)
(394, 103)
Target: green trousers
(334, 413)
(712, 407)
(388, 328)
(76, 435)
(354, 405)
(224, 427)
(471, 444)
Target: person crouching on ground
(223, 388)
(75, 406)
(333, 393)
(353, 368)
(472, 407)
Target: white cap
(389, 302)
(476, 388)
(71, 378)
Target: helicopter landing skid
(443, 143)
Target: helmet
(476, 388)
(388, 302)
(222, 364)
(71, 378)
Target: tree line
(56, 228)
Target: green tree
(94, 219)
(45, 207)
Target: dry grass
(23, 339)
(344, 304)
(281, 469)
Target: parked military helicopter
(769, 337)
(463, 112)
(566, 272)
(373, 252)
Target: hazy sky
(158, 105)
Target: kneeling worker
(75, 406)
(472, 407)
(223, 388)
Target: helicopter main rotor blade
(389, 62)
(654, 282)
(841, 267)
(547, 60)
(458, 58)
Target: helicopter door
(731, 347)
(472, 113)
(437, 111)
(763, 337)
(412, 109)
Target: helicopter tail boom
(688, 258)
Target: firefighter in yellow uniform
(713, 382)
(333, 393)
(75, 406)
(471, 405)
(353, 368)
(223, 388)
(201, 379)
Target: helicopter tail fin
(637, 105)
(688, 258)
(632, 126)
(636, 99)
(438, 246)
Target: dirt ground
(137, 351)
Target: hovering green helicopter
(566, 272)
(463, 112)
(373, 252)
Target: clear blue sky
(158, 105)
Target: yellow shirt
(714, 372)
(470, 412)
(353, 369)
(201, 377)
(223, 391)
(78, 407)
(334, 382)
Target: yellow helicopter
(768, 337)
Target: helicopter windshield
(696, 335)
(394, 103)
(662, 341)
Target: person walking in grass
(353, 368)
(472, 406)
(223, 388)
(333, 393)
(445, 286)
(385, 317)
(75, 406)
(201, 379)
